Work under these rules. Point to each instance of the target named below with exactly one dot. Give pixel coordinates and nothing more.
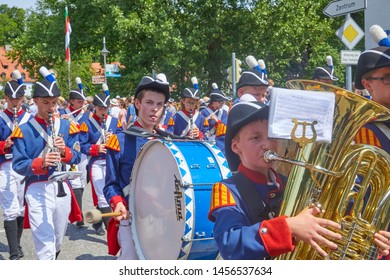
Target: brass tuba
(329, 178)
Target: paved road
(79, 243)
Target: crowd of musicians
(52, 149)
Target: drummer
(122, 149)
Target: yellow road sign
(350, 33)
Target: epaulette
(206, 122)
(17, 133)
(367, 136)
(221, 197)
(113, 143)
(119, 125)
(73, 129)
(84, 127)
(221, 130)
(171, 122)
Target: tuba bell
(350, 182)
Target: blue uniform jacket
(28, 145)
(5, 132)
(236, 236)
(217, 128)
(177, 124)
(89, 136)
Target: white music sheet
(305, 106)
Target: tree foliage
(180, 38)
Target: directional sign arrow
(343, 7)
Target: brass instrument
(61, 190)
(329, 178)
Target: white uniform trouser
(98, 177)
(11, 192)
(48, 215)
(80, 182)
(126, 242)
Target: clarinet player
(94, 133)
(37, 155)
(11, 183)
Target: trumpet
(61, 190)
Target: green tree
(12, 22)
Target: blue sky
(19, 3)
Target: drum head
(157, 204)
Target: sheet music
(305, 106)
(63, 175)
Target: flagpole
(69, 85)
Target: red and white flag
(68, 30)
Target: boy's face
(380, 92)
(46, 105)
(251, 144)
(76, 103)
(259, 92)
(14, 102)
(101, 112)
(190, 103)
(150, 108)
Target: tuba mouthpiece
(270, 156)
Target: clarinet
(15, 124)
(61, 190)
(16, 120)
(191, 122)
(104, 129)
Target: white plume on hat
(329, 61)
(47, 74)
(379, 35)
(194, 81)
(105, 89)
(162, 77)
(17, 76)
(214, 85)
(252, 63)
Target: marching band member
(217, 117)
(11, 185)
(94, 134)
(188, 121)
(247, 229)
(122, 149)
(42, 146)
(325, 74)
(77, 115)
(254, 83)
(373, 74)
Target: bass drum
(170, 194)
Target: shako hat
(326, 72)
(251, 78)
(101, 100)
(193, 92)
(47, 87)
(15, 87)
(375, 58)
(159, 84)
(241, 114)
(76, 94)
(218, 95)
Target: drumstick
(94, 215)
